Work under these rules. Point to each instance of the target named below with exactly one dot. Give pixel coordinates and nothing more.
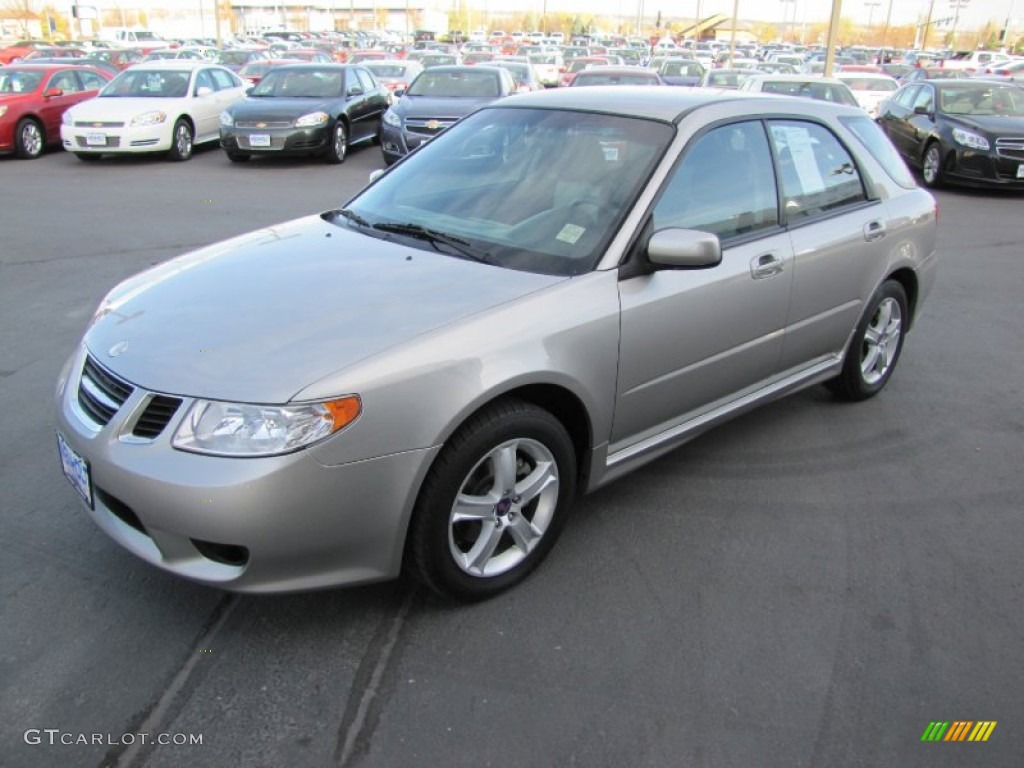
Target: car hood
(992, 124)
(108, 108)
(434, 106)
(277, 108)
(260, 317)
(19, 98)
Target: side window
(366, 80)
(204, 80)
(65, 81)
(816, 171)
(223, 79)
(90, 80)
(905, 98)
(724, 184)
(925, 98)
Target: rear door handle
(874, 230)
(765, 265)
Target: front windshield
(870, 84)
(305, 83)
(234, 57)
(530, 189)
(447, 84)
(19, 80)
(387, 70)
(148, 83)
(971, 99)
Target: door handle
(874, 230)
(765, 265)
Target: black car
(967, 132)
(436, 99)
(313, 109)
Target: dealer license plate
(259, 140)
(1020, 171)
(76, 469)
(96, 140)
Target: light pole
(787, 29)
(871, 5)
(956, 5)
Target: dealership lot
(812, 584)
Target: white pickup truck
(974, 61)
(134, 37)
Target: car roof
(786, 78)
(173, 64)
(665, 104)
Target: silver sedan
(556, 290)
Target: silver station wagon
(559, 288)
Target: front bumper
(979, 168)
(102, 138)
(275, 524)
(276, 140)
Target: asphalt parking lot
(810, 585)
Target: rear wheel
(29, 141)
(338, 147)
(181, 141)
(876, 345)
(494, 502)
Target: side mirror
(684, 249)
(922, 111)
(398, 93)
(52, 92)
(355, 90)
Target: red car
(17, 51)
(33, 98)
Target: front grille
(429, 126)
(276, 142)
(1012, 148)
(155, 416)
(90, 124)
(101, 393)
(260, 124)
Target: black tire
(29, 139)
(239, 157)
(512, 535)
(931, 166)
(88, 157)
(876, 345)
(181, 141)
(337, 148)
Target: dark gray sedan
(436, 99)
(305, 109)
(555, 291)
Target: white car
(804, 86)
(869, 89)
(160, 106)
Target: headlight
(147, 118)
(312, 119)
(968, 139)
(66, 118)
(241, 429)
(3, 110)
(226, 119)
(392, 119)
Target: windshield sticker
(570, 233)
(801, 148)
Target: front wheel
(28, 139)
(931, 166)
(494, 502)
(181, 141)
(876, 345)
(338, 148)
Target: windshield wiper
(461, 247)
(352, 216)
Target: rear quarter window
(878, 145)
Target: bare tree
(21, 11)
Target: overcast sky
(973, 12)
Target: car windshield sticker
(570, 233)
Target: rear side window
(817, 174)
(877, 143)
